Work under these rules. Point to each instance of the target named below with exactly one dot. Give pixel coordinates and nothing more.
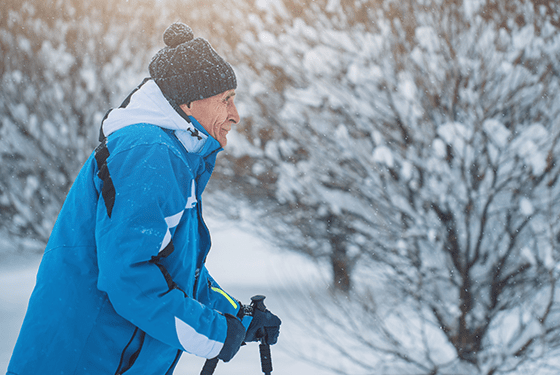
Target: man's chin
(223, 139)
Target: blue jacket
(122, 286)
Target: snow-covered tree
(422, 136)
(63, 64)
(411, 144)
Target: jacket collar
(148, 105)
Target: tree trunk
(339, 257)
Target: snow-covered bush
(63, 64)
(422, 136)
(411, 144)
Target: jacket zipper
(208, 169)
(196, 277)
(170, 370)
(201, 260)
(125, 367)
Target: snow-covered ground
(243, 265)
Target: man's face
(216, 114)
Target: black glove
(265, 325)
(234, 338)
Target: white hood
(149, 106)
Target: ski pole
(209, 366)
(257, 302)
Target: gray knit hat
(189, 69)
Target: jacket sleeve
(211, 294)
(131, 234)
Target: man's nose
(233, 115)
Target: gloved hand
(264, 325)
(234, 338)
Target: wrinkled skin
(216, 114)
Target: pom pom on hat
(176, 34)
(188, 68)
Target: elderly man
(123, 287)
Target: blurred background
(406, 149)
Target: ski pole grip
(257, 302)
